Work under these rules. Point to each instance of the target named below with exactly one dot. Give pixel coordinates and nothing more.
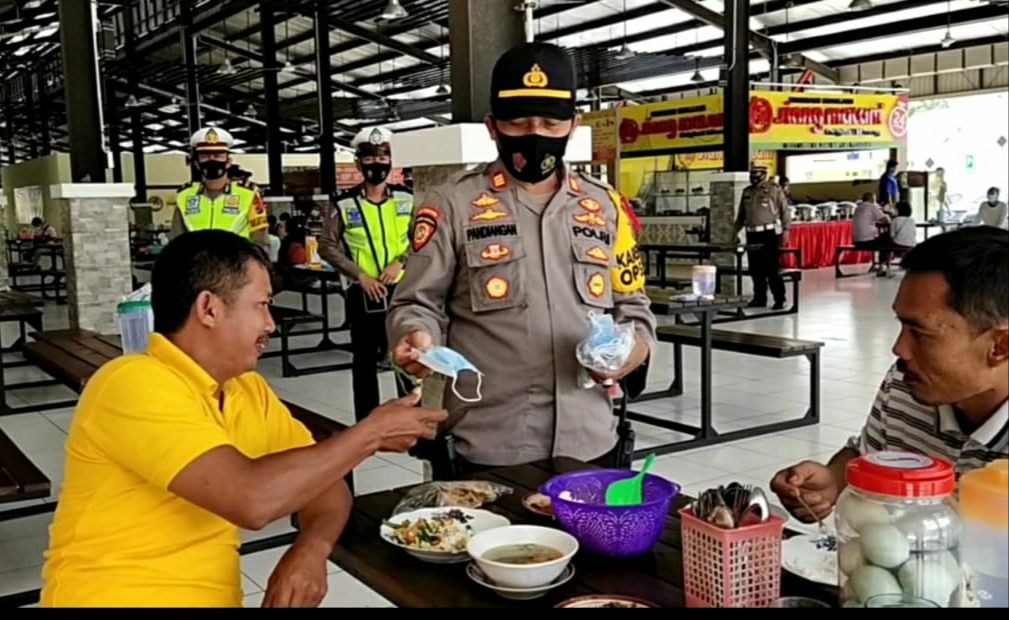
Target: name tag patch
(402, 208)
(193, 205)
(354, 218)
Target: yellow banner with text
(778, 121)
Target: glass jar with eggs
(898, 530)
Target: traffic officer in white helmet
(217, 202)
(367, 237)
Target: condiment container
(898, 530)
(984, 508)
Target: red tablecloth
(818, 242)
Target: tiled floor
(852, 317)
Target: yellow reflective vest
(376, 235)
(238, 209)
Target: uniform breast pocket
(592, 272)
(496, 278)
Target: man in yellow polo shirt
(172, 451)
(217, 201)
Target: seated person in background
(293, 251)
(946, 396)
(903, 229)
(992, 213)
(172, 451)
(42, 231)
(864, 222)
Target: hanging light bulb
(225, 68)
(442, 90)
(625, 53)
(860, 5)
(947, 40)
(131, 102)
(288, 67)
(394, 10)
(250, 112)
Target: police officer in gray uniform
(506, 264)
(763, 212)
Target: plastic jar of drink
(984, 507)
(136, 321)
(702, 279)
(898, 530)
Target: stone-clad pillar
(726, 192)
(94, 219)
(3, 247)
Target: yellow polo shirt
(119, 538)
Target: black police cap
(534, 79)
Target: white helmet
(377, 137)
(211, 140)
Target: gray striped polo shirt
(899, 422)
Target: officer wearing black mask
(507, 264)
(366, 238)
(216, 201)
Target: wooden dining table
(656, 576)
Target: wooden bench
(875, 251)
(24, 317)
(20, 479)
(760, 345)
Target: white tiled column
(94, 218)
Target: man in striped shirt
(946, 396)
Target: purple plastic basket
(619, 531)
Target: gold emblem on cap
(535, 78)
(211, 137)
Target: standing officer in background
(366, 237)
(217, 202)
(764, 213)
(507, 262)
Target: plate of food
(538, 503)
(812, 557)
(612, 601)
(438, 535)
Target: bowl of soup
(522, 556)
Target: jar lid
(902, 474)
(704, 268)
(984, 494)
(133, 306)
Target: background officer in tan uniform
(764, 213)
(507, 262)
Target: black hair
(975, 263)
(904, 208)
(993, 190)
(203, 260)
(36, 221)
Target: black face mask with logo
(213, 169)
(531, 158)
(757, 177)
(376, 173)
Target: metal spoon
(757, 508)
(819, 521)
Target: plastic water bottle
(984, 506)
(136, 321)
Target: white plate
(811, 557)
(479, 521)
(519, 594)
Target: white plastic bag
(606, 348)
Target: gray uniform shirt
(508, 281)
(762, 204)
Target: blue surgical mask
(450, 363)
